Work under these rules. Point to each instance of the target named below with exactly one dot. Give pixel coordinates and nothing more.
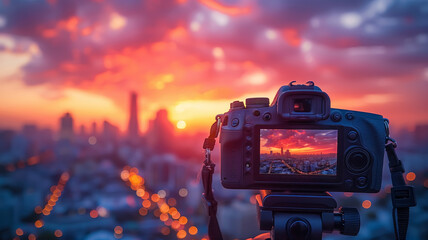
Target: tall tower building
(66, 127)
(133, 128)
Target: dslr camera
(299, 143)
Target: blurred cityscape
(97, 183)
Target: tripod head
(304, 216)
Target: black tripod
(304, 216)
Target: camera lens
(357, 160)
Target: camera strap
(214, 232)
(402, 195)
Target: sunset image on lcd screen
(298, 151)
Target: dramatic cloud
(298, 141)
(363, 53)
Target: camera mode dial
(237, 105)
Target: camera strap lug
(402, 195)
(214, 232)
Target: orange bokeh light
(164, 208)
(411, 176)
(155, 197)
(181, 234)
(172, 202)
(58, 233)
(193, 230)
(32, 237)
(146, 203)
(146, 196)
(118, 230)
(175, 224)
(93, 213)
(176, 215)
(163, 217)
(39, 224)
(19, 232)
(367, 204)
(136, 180)
(38, 209)
(182, 220)
(143, 211)
(65, 176)
(140, 192)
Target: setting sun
(181, 124)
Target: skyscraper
(66, 127)
(133, 129)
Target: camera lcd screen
(298, 151)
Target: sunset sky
(193, 57)
(298, 141)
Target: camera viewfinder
(302, 105)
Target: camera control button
(352, 135)
(249, 148)
(256, 113)
(349, 183)
(362, 182)
(267, 116)
(336, 117)
(235, 122)
(349, 116)
(247, 167)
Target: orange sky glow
(195, 57)
(298, 141)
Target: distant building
(110, 132)
(160, 135)
(82, 130)
(287, 153)
(133, 127)
(66, 131)
(421, 134)
(6, 137)
(94, 129)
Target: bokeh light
(183, 192)
(58, 233)
(181, 234)
(193, 230)
(19, 232)
(366, 204)
(411, 176)
(38, 224)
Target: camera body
(300, 144)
